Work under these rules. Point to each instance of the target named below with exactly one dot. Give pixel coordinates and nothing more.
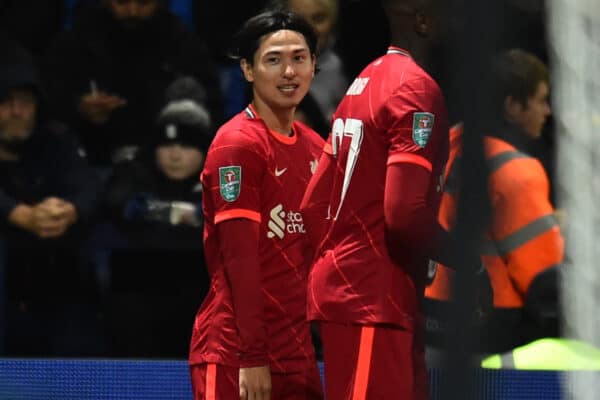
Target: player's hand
(97, 107)
(255, 383)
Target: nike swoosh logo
(279, 172)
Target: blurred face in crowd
(179, 162)
(532, 115)
(320, 14)
(282, 69)
(18, 110)
(132, 13)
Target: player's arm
(316, 201)
(232, 177)
(411, 223)
(239, 251)
(412, 227)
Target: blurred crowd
(107, 109)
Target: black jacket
(137, 183)
(137, 67)
(154, 255)
(51, 164)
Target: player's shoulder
(240, 138)
(400, 73)
(240, 130)
(416, 78)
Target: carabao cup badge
(230, 180)
(422, 127)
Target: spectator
(523, 238)
(217, 24)
(108, 75)
(158, 280)
(32, 23)
(47, 195)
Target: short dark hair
(247, 40)
(516, 73)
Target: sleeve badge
(230, 181)
(422, 127)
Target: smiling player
(250, 338)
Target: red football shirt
(251, 172)
(393, 112)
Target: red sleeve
(242, 268)
(418, 125)
(409, 220)
(233, 176)
(411, 223)
(317, 198)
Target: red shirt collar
(398, 50)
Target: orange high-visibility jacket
(524, 237)
(440, 276)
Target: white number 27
(352, 128)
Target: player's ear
(247, 70)
(314, 64)
(512, 108)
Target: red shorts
(366, 362)
(219, 382)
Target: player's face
(319, 14)
(532, 117)
(17, 115)
(179, 162)
(282, 70)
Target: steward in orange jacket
(523, 239)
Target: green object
(422, 127)
(230, 180)
(548, 354)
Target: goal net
(574, 44)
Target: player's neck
(277, 120)
(411, 44)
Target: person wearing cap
(48, 196)
(155, 202)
